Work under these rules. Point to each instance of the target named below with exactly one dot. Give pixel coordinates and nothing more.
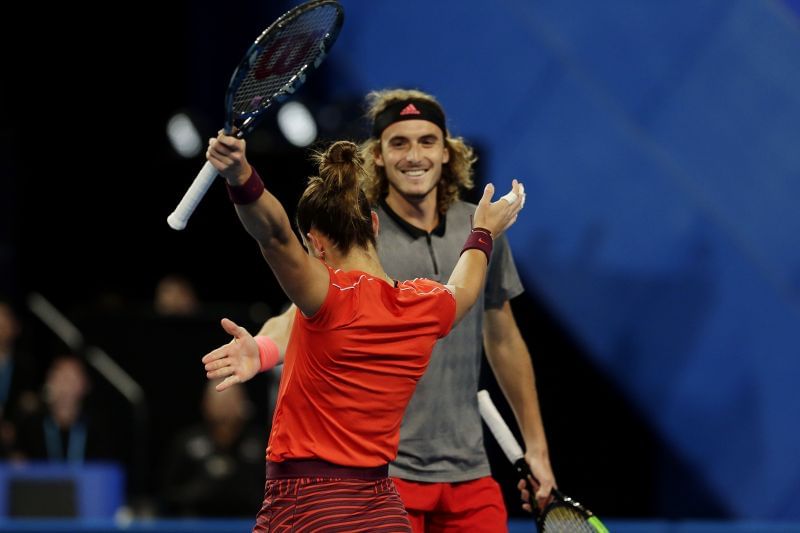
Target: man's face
(412, 154)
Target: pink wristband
(248, 192)
(268, 352)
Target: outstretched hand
(500, 215)
(237, 361)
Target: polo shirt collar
(411, 229)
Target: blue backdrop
(658, 142)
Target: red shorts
(475, 506)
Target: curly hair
(456, 174)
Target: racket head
(565, 515)
(279, 60)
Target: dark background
(88, 178)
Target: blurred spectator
(16, 379)
(66, 428)
(217, 468)
(175, 296)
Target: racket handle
(499, 428)
(178, 219)
(504, 437)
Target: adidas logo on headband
(408, 110)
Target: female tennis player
(359, 343)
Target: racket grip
(499, 428)
(522, 468)
(180, 216)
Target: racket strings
(283, 56)
(565, 519)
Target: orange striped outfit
(349, 372)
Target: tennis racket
(562, 514)
(273, 68)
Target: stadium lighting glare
(297, 124)
(183, 135)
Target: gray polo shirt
(441, 438)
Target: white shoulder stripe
(341, 288)
(432, 290)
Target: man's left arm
(511, 363)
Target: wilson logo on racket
(273, 68)
(280, 58)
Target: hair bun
(340, 168)
(342, 152)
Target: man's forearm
(510, 360)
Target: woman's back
(352, 367)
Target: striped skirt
(327, 504)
